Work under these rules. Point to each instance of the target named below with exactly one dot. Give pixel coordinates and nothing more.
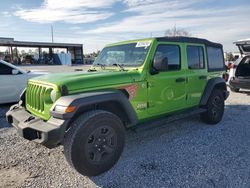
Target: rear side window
(5, 70)
(195, 57)
(215, 59)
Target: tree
(229, 56)
(176, 32)
(15, 51)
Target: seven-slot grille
(35, 97)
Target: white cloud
(157, 6)
(6, 14)
(132, 3)
(77, 11)
(76, 4)
(140, 18)
(223, 25)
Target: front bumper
(49, 133)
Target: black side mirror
(159, 64)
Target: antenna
(52, 34)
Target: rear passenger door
(196, 73)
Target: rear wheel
(94, 142)
(215, 108)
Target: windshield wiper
(119, 65)
(102, 65)
(92, 70)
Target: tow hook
(29, 119)
(15, 107)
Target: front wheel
(215, 108)
(94, 142)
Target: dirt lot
(184, 153)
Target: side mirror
(14, 71)
(159, 64)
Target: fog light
(63, 109)
(59, 108)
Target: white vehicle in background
(239, 73)
(13, 80)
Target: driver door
(167, 87)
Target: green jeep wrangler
(129, 83)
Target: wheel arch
(115, 101)
(214, 83)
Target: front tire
(215, 108)
(94, 142)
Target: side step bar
(167, 119)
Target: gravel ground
(184, 153)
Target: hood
(244, 46)
(79, 81)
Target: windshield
(132, 54)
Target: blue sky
(95, 23)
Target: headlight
(53, 95)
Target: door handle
(203, 77)
(180, 80)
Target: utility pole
(52, 34)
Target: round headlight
(53, 95)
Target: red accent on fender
(131, 89)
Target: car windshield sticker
(143, 44)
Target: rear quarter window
(215, 59)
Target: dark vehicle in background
(239, 74)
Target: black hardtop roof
(189, 40)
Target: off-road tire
(215, 108)
(82, 145)
(236, 90)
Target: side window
(5, 70)
(170, 55)
(215, 59)
(195, 57)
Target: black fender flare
(84, 100)
(211, 85)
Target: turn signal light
(70, 109)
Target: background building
(21, 52)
